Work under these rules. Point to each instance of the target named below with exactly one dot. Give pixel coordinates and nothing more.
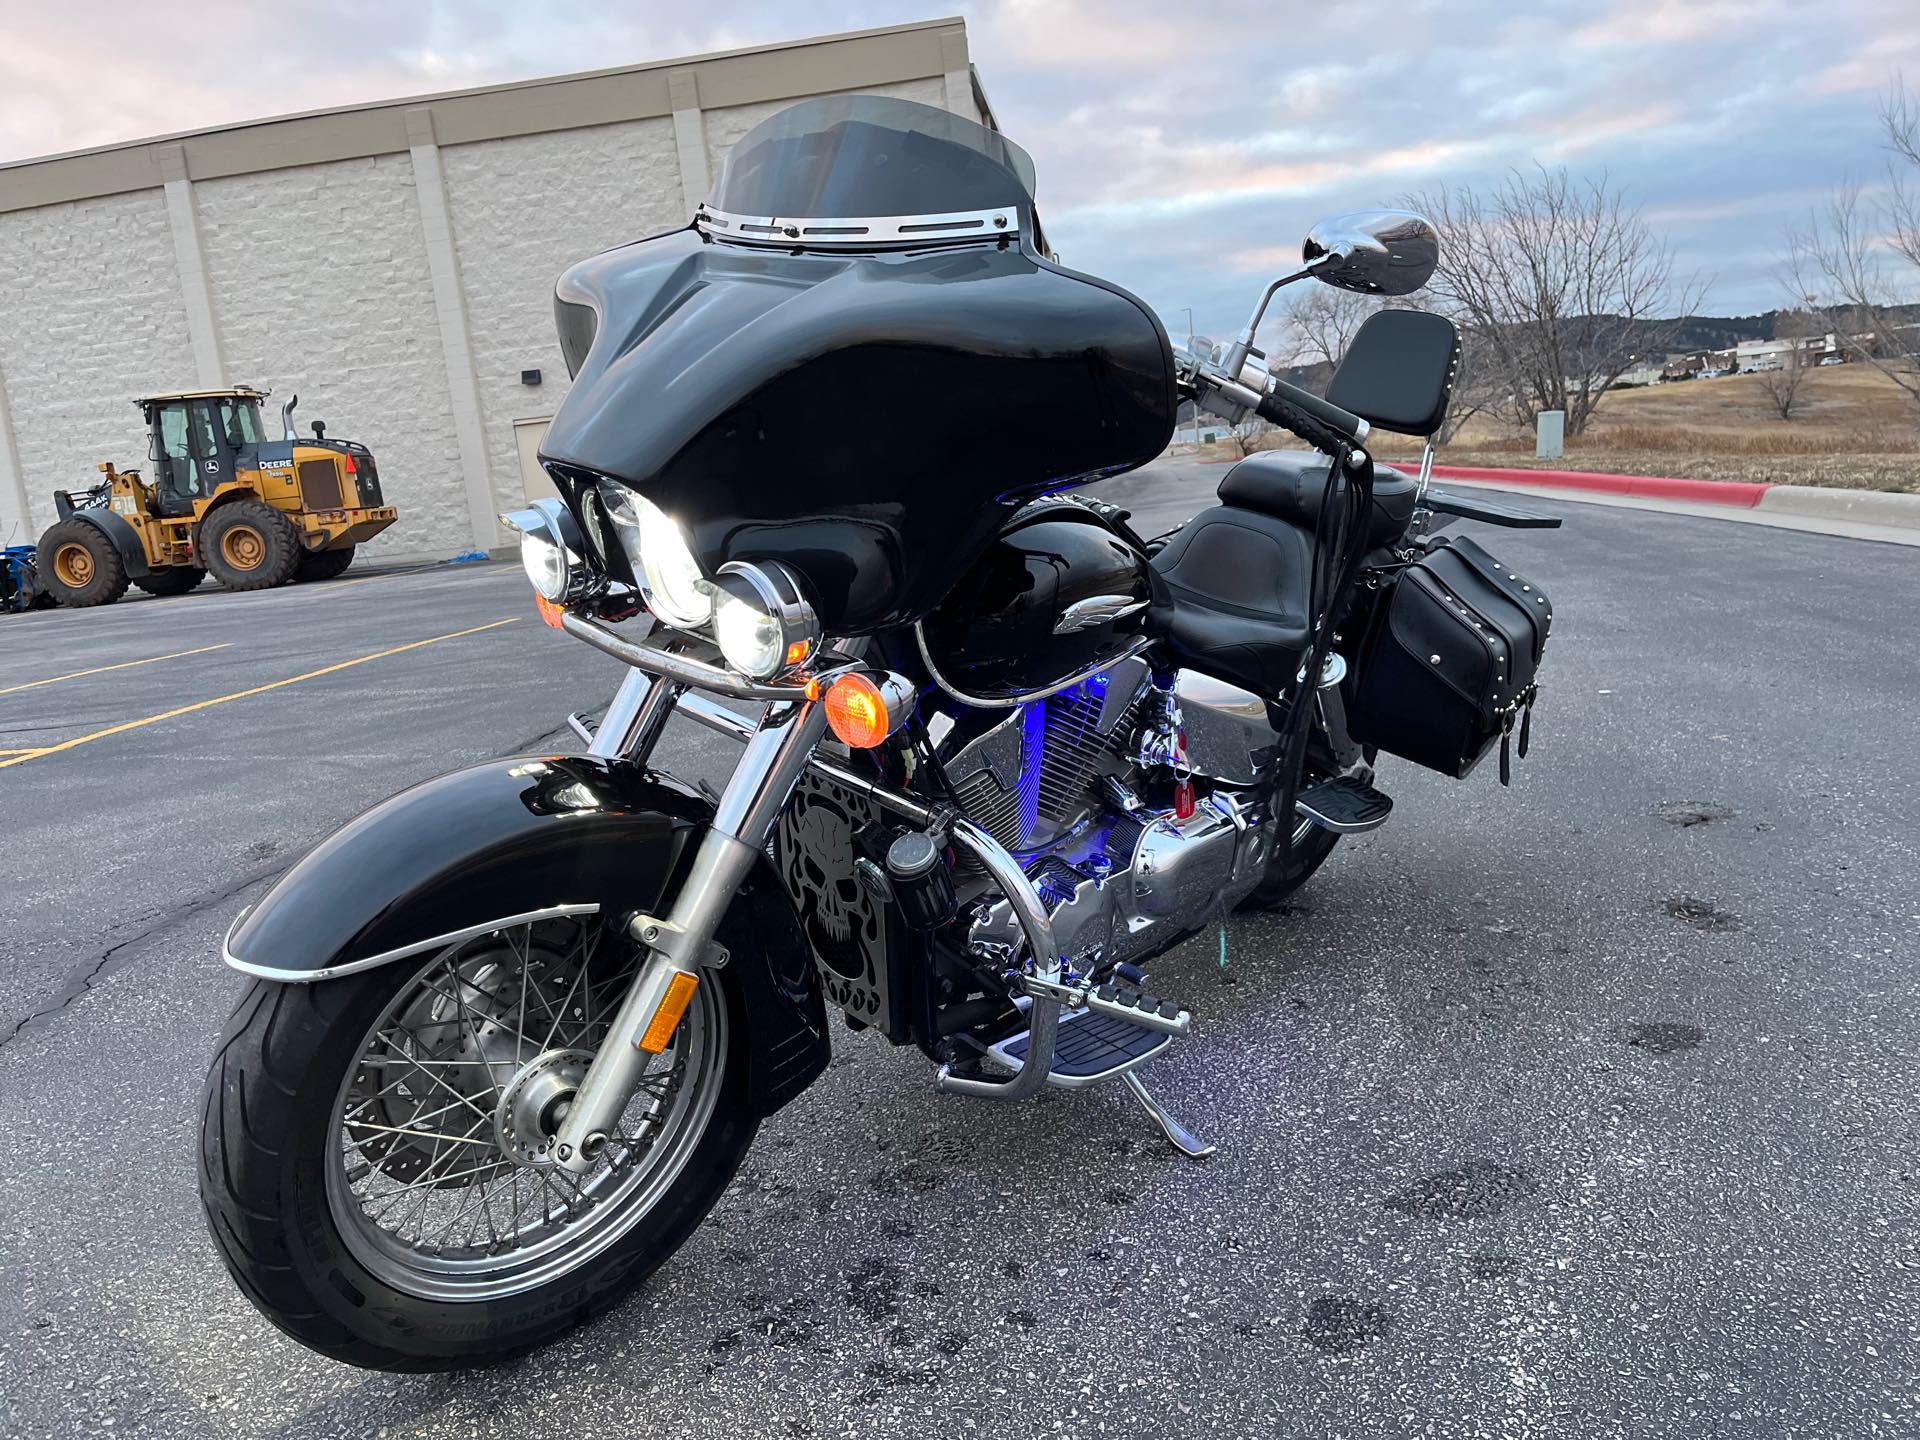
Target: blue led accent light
(1033, 754)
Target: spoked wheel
(409, 1213)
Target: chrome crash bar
(638, 713)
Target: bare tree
(1323, 320)
(1782, 384)
(1245, 437)
(1559, 277)
(1862, 257)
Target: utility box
(1550, 434)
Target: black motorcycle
(511, 1031)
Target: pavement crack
(81, 982)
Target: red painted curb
(1742, 493)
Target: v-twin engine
(1059, 784)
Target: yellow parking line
(30, 750)
(243, 694)
(123, 665)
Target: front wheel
(375, 1150)
(80, 566)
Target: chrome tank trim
(1138, 646)
(387, 957)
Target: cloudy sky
(1182, 150)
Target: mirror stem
(1243, 345)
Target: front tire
(326, 1182)
(79, 565)
(248, 545)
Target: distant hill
(1688, 334)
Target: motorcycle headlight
(762, 621)
(669, 576)
(546, 566)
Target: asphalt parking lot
(1582, 1108)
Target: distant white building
(392, 262)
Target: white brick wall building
(393, 264)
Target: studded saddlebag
(1449, 665)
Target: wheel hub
(242, 547)
(535, 1103)
(73, 564)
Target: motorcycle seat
(1289, 485)
(1237, 576)
(1235, 606)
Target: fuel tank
(1056, 596)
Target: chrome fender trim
(370, 962)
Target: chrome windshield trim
(861, 230)
(387, 957)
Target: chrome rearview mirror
(1377, 252)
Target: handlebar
(1274, 405)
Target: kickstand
(1183, 1139)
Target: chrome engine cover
(1124, 888)
(1228, 736)
(1049, 782)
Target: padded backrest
(1398, 371)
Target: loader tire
(174, 580)
(323, 564)
(248, 545)
(79, 565)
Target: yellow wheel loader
(224, 501)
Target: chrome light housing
(551, 551)
(762, 621)
(670, 578)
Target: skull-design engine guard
(779, 748)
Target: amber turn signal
(549, 611)
(673, 1006)
(863, 710)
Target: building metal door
(535, 483)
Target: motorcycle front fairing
(870, 418)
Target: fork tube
(635, 717)
(682, 939)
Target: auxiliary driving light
(670, 578)
(550, 551)
(762, 621)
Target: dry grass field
(1850, 427)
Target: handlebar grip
(1344, 421)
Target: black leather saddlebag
(1449, 665)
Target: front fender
(513, 840)
(125, 539)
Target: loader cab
(199, 443)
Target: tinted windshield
(859, 156)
